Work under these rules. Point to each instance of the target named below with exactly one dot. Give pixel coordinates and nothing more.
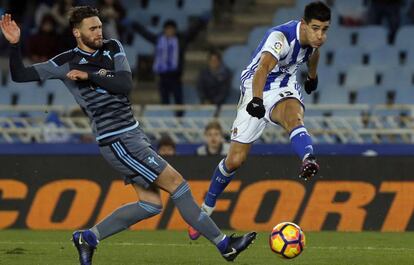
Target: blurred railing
(326, 123)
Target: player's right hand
(10, 29)
(256, 108)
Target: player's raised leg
(172, 182)
(289, 114)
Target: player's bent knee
(151, 208)
(169, 179)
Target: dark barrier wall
(351, 193)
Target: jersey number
(285, 94)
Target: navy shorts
(131, 154)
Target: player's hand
(77, 75)
(311, 84)
(10, 29)
(256, 108)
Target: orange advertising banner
(351, 194)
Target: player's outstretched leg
(302, 144)
(85, 242)
(219, 181)
(172, 182)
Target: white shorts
(247, 129)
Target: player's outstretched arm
(255, 107)
(11, 32)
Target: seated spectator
(166, 146)
(214, 82)
(44, 44)
(215, 144)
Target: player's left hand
(77, 75)
(311, 84)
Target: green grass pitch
(24, 247)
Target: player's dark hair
(317, 10)
(79, 13)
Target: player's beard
(93, 44)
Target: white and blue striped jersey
(283, 43)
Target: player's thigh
(151, 194)
(288, 113)
(132, 155)
(246, 129)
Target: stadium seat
(328, 76)
(256, 36)
(405, 95)
(236, 56)
(159, 6)
(396, 78)
(404, 40)
(285, 14)
(334, 95)
(197, 7)
(371, 95)
(366, 35)
(384, 57)
(36, 96)
(61, 94)
(5, 96)
(360, 76)
(342, 38)
(345, 57)
(190, 95)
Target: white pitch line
(367, 248)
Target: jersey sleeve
(120, 60)
(48, 70)
(277, 45)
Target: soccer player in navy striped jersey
(97, 73)
(271, 94)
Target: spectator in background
(166, 146)
(44, 44)
(59, 12)
(388, 10)
(170, 47)
(214, 81)
(112, 12)
(215, 144)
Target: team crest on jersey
(102, 72)
(234, 132)
(278, 47)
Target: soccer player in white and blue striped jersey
(271, 94)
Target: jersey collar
(77, 49)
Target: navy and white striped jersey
(109, 113)
(283, 43)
